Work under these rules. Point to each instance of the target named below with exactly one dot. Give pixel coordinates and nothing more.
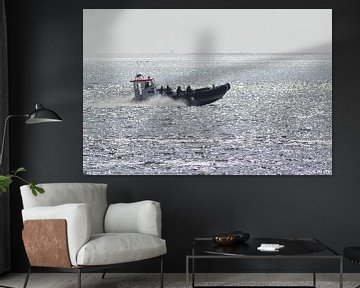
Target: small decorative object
(270, 247)
(241, 236)
(231, 238)
(225, 239)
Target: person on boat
(188, 88)
(168, 90)
(161, 90)
(178, 90)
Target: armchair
(71, 228)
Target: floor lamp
(39, 115)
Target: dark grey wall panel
(45, 43)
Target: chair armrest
(78, 223)
(138, 217)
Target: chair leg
(27, 277)
(161, 273)
(79, 277)
(103, 275)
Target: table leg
(341, 273)
(187, 272)
(193, 272)
(193, 267)
(314, 271)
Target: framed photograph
(207, 91)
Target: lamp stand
(4, 135)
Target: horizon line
(95, 55)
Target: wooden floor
(114, 280)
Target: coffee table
(294, 248)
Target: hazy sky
(207, 31)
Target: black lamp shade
(42, 115)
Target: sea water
(275, 120)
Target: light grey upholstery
(133, 230)
(92, 194)
(139, 217)
(120, 248)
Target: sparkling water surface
(275, 120)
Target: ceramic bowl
(225, 239)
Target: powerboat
(145, 88)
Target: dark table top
(292, 247)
